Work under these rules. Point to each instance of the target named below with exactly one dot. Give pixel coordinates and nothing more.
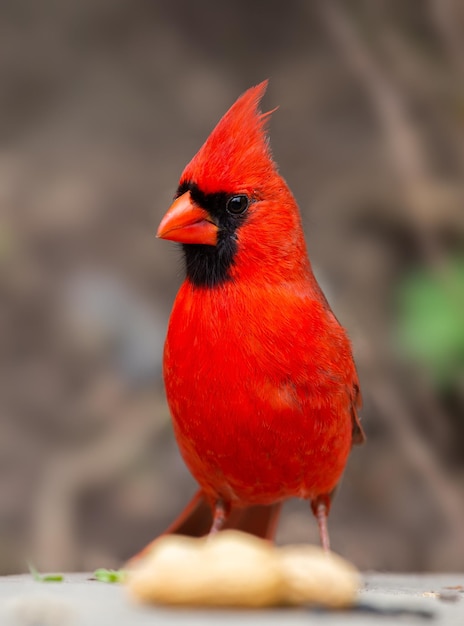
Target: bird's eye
(236, 205)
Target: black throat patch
(209, 266)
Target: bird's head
(233, 212)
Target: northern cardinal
(259, 374)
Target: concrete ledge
(387, 599)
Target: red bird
(259, 374)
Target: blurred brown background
(102, 103)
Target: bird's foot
(220, 515)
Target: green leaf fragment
(44, 578)
(431, 321)
(109, 575)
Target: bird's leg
(220, 515)
(320, 507)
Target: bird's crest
(236, 156)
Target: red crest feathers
(236, 156)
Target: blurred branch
(447, 23)
(71, 473)
(429, 81)
(401, 136)
(450, 28)
(391, 408)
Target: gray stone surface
(386, 599)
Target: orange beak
(186, 223)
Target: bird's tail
(196, 520)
